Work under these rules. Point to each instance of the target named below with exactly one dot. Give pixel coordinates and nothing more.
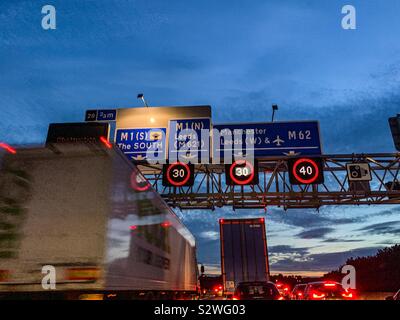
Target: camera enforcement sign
(358, 171)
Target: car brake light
(318, 296)
(330, 284)
(300, 294)
(133, 228)
(235, 298)
(348, 295)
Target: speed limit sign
(306, 171)
(241, 172)
(178, 174)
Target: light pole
(141, 96)
(274, 108)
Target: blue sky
(237, 56)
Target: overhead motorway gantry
(274, 188)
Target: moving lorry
(87, 212)
(244, 255)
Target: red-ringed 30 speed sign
(306, 171)
(178, 174)
(241, 172)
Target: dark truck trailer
(243, 252)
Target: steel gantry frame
(274, 188)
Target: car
(283, 289)
(327, 290)
(298, 292)
(396, 296)
(257, 290)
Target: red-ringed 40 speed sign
(306, 171)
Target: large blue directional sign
(135, 143)
(270, 139)
(182, 145)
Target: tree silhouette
(380, 272)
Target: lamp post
(141, 97)
(274, 108)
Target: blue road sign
(181, 144)
(101, 115)
(135, 143)
(270, 139)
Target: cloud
(315, 233)
(286, 249)
(209, 235)
(301, 218)
(390, 227)
(332, 240)
(322, 261)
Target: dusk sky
(240, 57)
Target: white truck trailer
(88, 212)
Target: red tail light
(235, 298)
(318, 296)
(106, 142)
(348, 295)
(8, 148)
(280, 298)
(133, 228)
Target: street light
(274, 108)
(141, 96)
